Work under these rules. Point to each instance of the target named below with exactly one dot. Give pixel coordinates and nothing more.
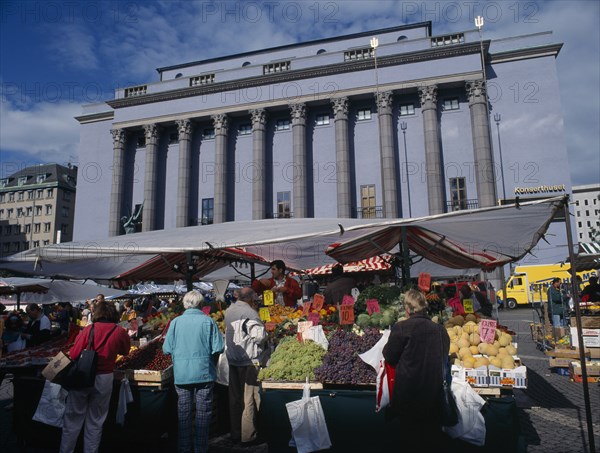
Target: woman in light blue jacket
(194, 342)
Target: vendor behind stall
(11, 337)
(38, 328)
(340, 286)
(285, 289)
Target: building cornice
(526, 53)
(95, 117)
(289, 76)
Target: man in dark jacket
(591, 292)
(418, 349)
(340, 286)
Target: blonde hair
(415, 301)
(192, 299)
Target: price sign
(133, 327)
(268, 297)
(487, 330)
(314, 318)
(373, 306)
(424, 281)
(318, 301)
(346, 313)
(264, 314)
(303, 327)
(348, 300)
(306, 308)
(206, 310)
(270, 326)
(468, 305)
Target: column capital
(298, 113)
(119, 136)
(476, 91)
(384, 100)
(259, 118)
(221, 123)
(340, 108)
(428, 94)
(151, 132)
(184, 129)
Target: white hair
(192, 299)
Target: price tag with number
(348, 300)
(424, 281)
(270, 326)
(264, 314)
(468, 305)
(318, 301)
(373, 306)
(487, 330)
(346, 313)
(306, 308)
(268, 297)
(314, 318)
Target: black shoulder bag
(448, 405)
(82, 372)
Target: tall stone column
(118, 182)
(485, 178)
(389, 183)
(342, 157)
(259, 151)
(150, 177)
(300, 174)
(433, 158)
(221, 123)
(184, 131)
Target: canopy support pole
(575, 293)
(405, 258)
(189, 271)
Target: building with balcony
(37, 207)
(328, 128)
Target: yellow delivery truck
(529, 284)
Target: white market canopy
(482, 238)
(588, 256)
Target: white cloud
(71, 46)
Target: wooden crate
(279, 385)
(146, 377)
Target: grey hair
(192, 299)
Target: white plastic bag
(309, 428)
(471, 424)
(223, 369)
(374, 357)
(316, 334)
(52, 405)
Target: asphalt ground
(551, 410)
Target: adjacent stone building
(37, 207)
(408, 125)
(587, 212)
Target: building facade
(587, 212)
(37, 207)
(414, 124)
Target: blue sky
(57, 55)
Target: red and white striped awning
(375, 263)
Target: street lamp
(497, 118)
(374, 44)
(403, 126)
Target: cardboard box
(591, 322)
(592, 368)
(477, 377)
(591, 338)
(494, 376)
(566, 354)
(594, 353)
(516, 378)
(560, 332)
(559, 363)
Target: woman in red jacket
(90, 405)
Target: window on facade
(450, 104)
(64, 228)
(322, 120)
(587, 213)
(49, 193)
(46, 242)
(38, 210)
(65, 211)
(6, 247)
(11, 196)
(46, 227)
(29, 211)
(40, 179)
(25, 245)
(7, 230)
(202, 80)
(3, 182)
(208, 133)
(579, 224)
(363, 114)
(589, 224)
(28, 228)
(9, 213)
(1, 213)
(19, 212)
(48, 209)
(276, 67)
(458, 193)
(576, 202)
(2, 197)
(284, 206)
(36, 227)
(367, 201)
(16, 229)
(208, 206)
(36, 243)
(66, 195)
(21, 196)
(245, 129)
(22, 180)
(40, 193)
(585, 202)
(359, 54)
(282, 125)
(16, 246)
(30, 194)
(407, 109)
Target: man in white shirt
(38, 328)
